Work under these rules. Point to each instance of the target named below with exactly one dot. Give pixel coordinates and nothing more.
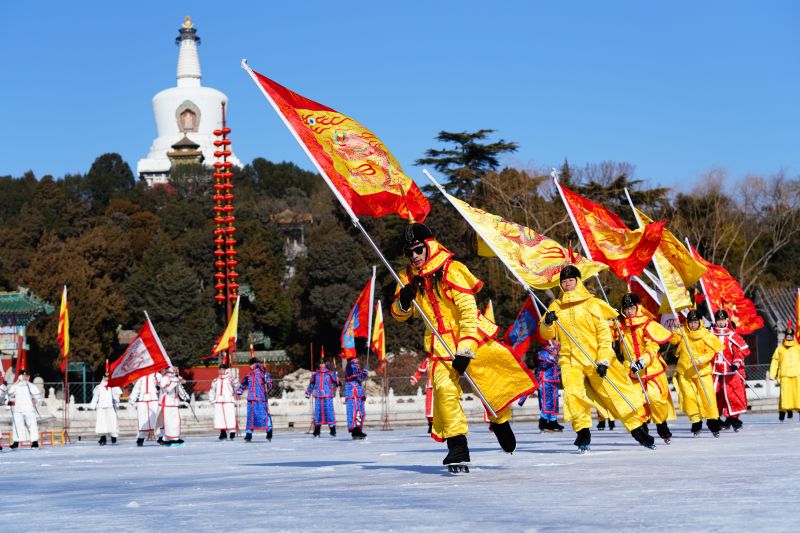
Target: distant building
(292, 224)
(17, 310)
(186, 116)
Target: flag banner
(674, 286)
(228, 338)
(356, 161)
(489, 312)
(797, 309)
(678, 256)
(724, 292)
(357, 323)
(63, 330)
(378, 346)
(144, 356)
(649, 297)
(609, 240)
(533, 257)
(524, 329)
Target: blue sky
(676, 88)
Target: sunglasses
(417, 250)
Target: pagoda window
(187, 121)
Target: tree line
(123, 248)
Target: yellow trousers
(790, 394)
(661, 407)
(692, 400)
(584, 389)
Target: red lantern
(219, 276)
(231, 263)
(219, 298)
(230, 230)
(233, 275)
(217, 143)
(219, 286)
(230, 242)
(219, 264)
(225, 131)
(217, 132)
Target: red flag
(609, 240)
(724, 292)
(144, 356)
(524, 329)
(649, 299)
(360, 167)
(357, 323)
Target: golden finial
(188, 23)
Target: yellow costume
(691, 396)
(445, 292)
(642, 337)
(785, 368)
(587, 319)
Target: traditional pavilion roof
(21, 307)
(287, 216)
(186, 142)
(776, 306)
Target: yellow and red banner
(227, 340)
(356, 161)
(533, 257)
(378, 346)
(678, 256)
(609, 240)
(357, 323)
(724, 292)
(63, 330)
(797, 309)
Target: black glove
(549, 318)
(638, 365)
(734, 368)
(602, 369)
(407, 295)
(460, 363)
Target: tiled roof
(776, 306)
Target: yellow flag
(489, 311)
(229, 336)
(378, 346)
(535, 258)
(678, 256)
(674, 285)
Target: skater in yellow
(587, 319)
(696, 395)
(445, 291)
(641, 339)
(785, 368)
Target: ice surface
(394, 481)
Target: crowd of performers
(604, 359)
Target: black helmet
(416, 233)
(721, 314)
(789, 331)
(252, 361)
(692, 316)
(630, 299)
(569, 271)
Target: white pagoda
(187, 110)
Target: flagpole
(357, 223)
(527, 287)
(671, 305)
(702, 285)
(588, 253)
(369, 320)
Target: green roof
(21, 307)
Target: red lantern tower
(225, 232)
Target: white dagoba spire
(189, 74)
(187, 110)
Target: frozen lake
(394, 481)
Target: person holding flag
(172, 392)
(444, 289)
(785, 369)
(729, 376)
(222, 398)
(144, 397)
(548, 374)
(23, 397)
(257, 384)
(697, 348)
(104, 401)
(641, 340)
(322, 386)
(354, 393)
(588, 361)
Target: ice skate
(553, 425)
(505, 436)
(696, 428)
(582, 440)
(611, 425)
(35, 444)
(102, 441)
(543, 426)
(232, 435)
(222, 435)
(643, 438)
(140, 442)
(601, 425)
(333, 431)
(113, 440)
(269, 435)
(14, 445)
(457, 459)
(248, 437)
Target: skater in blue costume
(354, 395)
(257, 384)
(322, 387)
(547, 374)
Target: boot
(696, 427)
(333, 431)
(713, 426)
(430, 427)
(553, 425)
(788, 414)
(113, 439)
(583, 439)
(102, 441)
(140, 442)
(736, 423)
(232, 435)
(248, 437)
(160, 440)
(601, 425)
(663, 431)
(269, 435)
(14, 445)
(361, 433)
(505, 436)
(457, 450)
(543, 425)
(726, 424)
(612, 425)
(781, 416)
(316, 430)
(643, 438)
(35, 444)
(222, 434)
